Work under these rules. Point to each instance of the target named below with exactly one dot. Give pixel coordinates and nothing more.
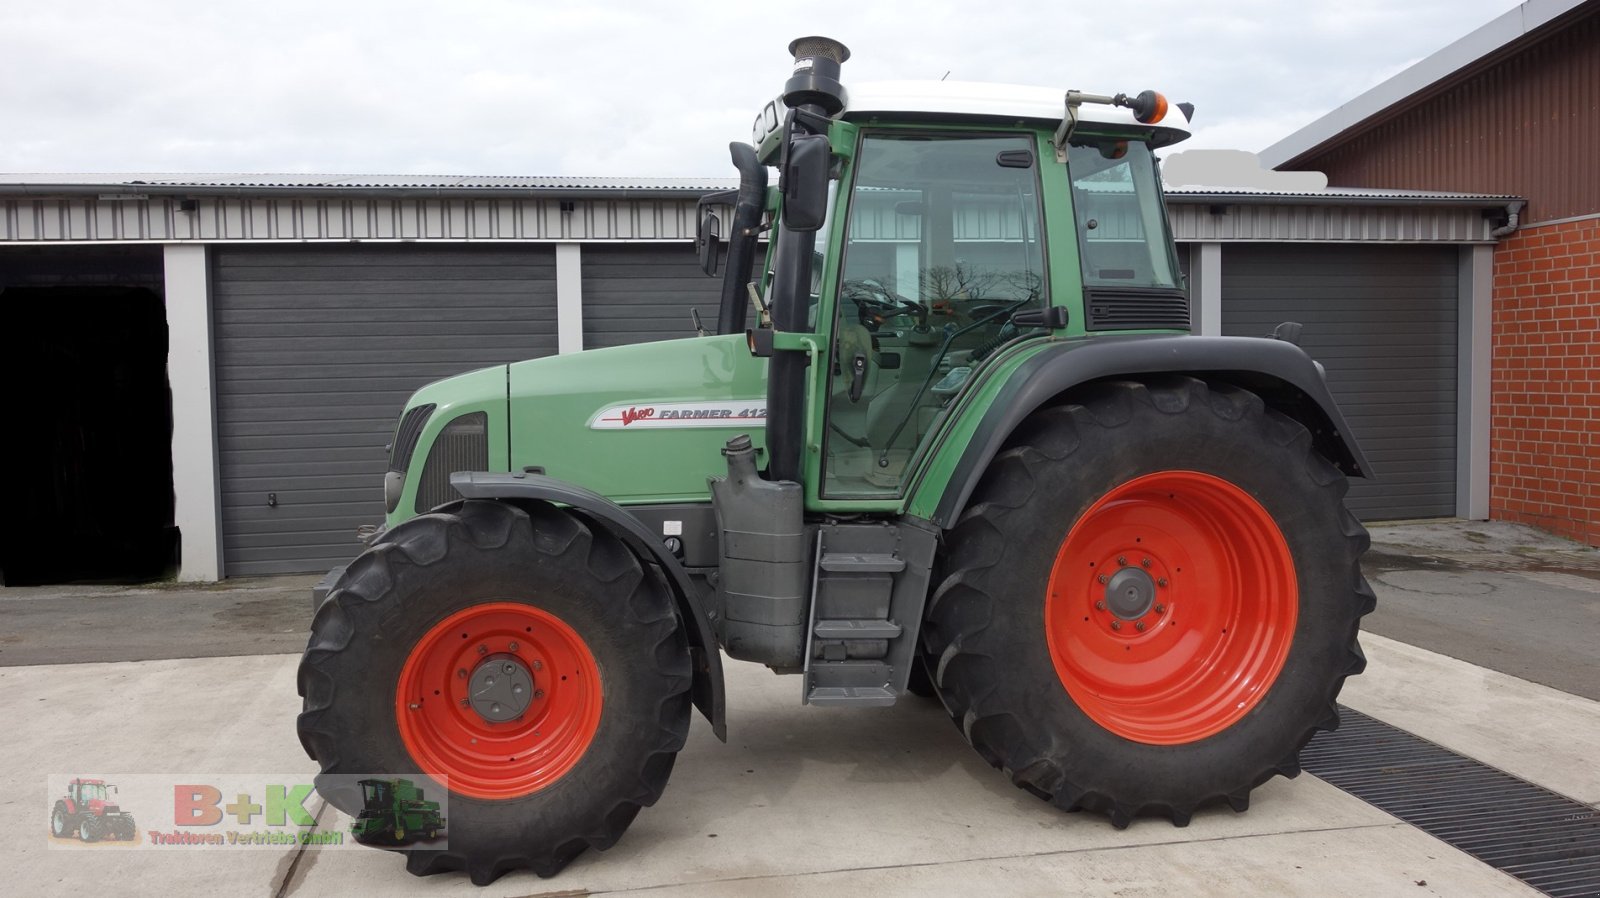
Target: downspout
(1513, 219)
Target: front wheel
(1152, 600)
(520, 655)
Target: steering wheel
(875, 303)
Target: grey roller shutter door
(317, 350)
(1383, 321)
(639, 293)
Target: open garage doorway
(87, 459)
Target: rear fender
(1281, 373)
(708, 691)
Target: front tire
(601, 662)
(1151, 602)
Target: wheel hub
(1130, 593)
(502, 689)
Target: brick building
(1512, 108)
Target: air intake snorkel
(814, 95)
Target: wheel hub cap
(1130, 593)
(502, 688)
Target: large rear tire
(1151, 602)
(602, 670)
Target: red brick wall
(1544, 443)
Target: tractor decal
(668, 415)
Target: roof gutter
(1311, 199)
(140, 191)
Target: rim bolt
(413, 706)
(512, 647)
(465, 703)
(538, 665)
(494, 708)
(1103, 578)
(483, 650)
(538, 693)
(1100, 605)
(462, 673)
(1161, 609)
(1162, 582)
(474, 740)
(1139, 625)
(509, 668)
(1145, 563)
(1116, 625)
(1122, 561)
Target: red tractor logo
(88, 813)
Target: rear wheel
(1151, 602)
(521, 656)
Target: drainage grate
(1544, 839)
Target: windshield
(92, 791)
(1121, 217)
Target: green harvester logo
(395, 812)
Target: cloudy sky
(605, 87)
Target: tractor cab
(86, 791)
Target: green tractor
(964, 446)
(394, 812)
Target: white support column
(198, 499)
(1205, 289)
(908, 270)
(569, 298)
(1474, 350)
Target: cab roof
(980, 100)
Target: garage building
(295, 316)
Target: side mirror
(805, 182)
(708, 241)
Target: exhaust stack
(815, 81)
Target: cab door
(943, 245)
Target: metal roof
(251, 183)
(1441, 66)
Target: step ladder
(868, 587)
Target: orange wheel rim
(1171, 607)
(521, 732)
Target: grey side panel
(1382, 319)
(317, 350)
(709, 694)
(639, 293)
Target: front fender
(708, 690)
(1281, 373)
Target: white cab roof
(1003, 101)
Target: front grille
(1137, 311)
(405, 438)
(463, 445)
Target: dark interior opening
(86, 456)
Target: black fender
(1281, 373)
(708, 691)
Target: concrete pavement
(808, 800)
(801, 801)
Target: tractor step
(861, 563)
(869, 583)
(856, 629)
(858, 696)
